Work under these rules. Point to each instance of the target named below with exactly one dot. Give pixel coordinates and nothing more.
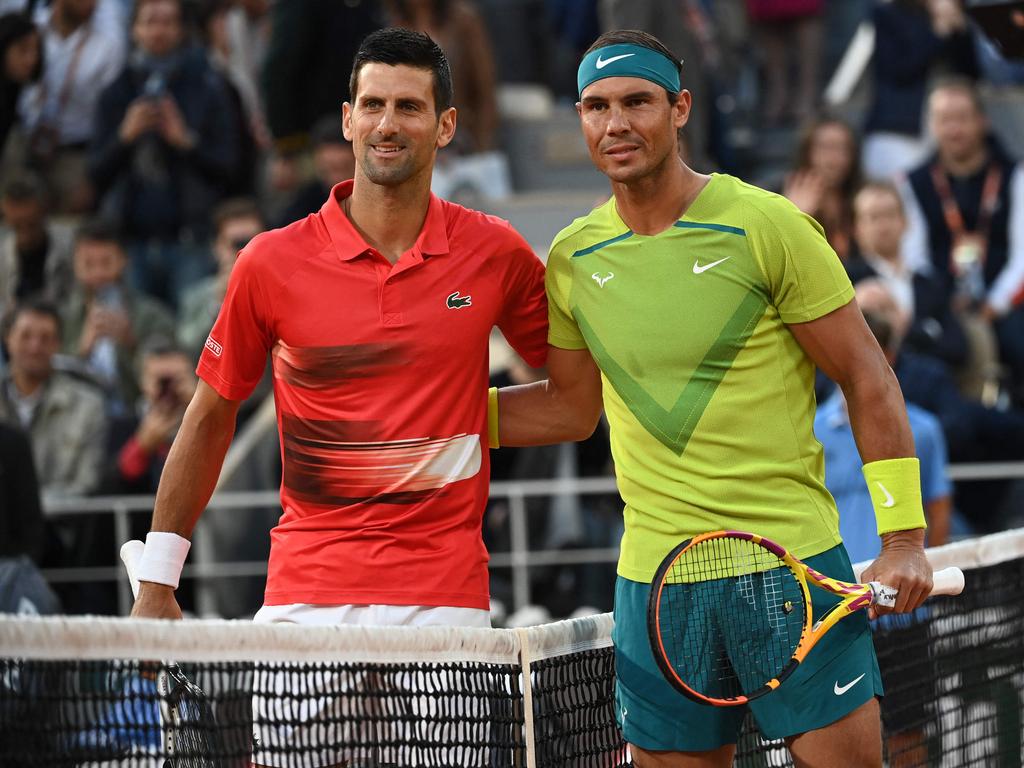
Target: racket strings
(192, 727)
(732, 615)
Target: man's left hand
(903, 566)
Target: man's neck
(64, 22)
(24, 384)
(653, 204)
(892, 259)
(389, 218)
(967, 165)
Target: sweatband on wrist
(492, 418)
(163, 558)
(895, 488)
(628, 60)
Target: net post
(524, 664)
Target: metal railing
(204, 567)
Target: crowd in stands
(143, 143)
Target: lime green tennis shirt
(709, 397)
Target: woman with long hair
(826, 177)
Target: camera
(167, 390)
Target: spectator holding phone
(105, 320)
(142, 439)
(163, 151)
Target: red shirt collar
(348, 243)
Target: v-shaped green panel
(674, 427)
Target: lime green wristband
(895, 487)
(492, 418)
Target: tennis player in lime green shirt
(695, 309)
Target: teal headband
(628, 60)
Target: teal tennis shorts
(838, 675)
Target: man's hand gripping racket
(190, 735)
(729, 615)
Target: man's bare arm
(564, 407)
(188, 479)
(841, 344)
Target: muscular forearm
(542, 414)
(878, 416)
(192, 468)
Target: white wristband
(163, 558)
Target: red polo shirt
(380, 381)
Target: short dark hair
(961, 84)
(880, 328)
(99, 230)
(33, 305)
(885, 187)
(24, 187)
(236, 208)
(327, 130)
(644, 40)
(394, 46)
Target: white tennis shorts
(312, 718)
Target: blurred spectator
(21, 518)
(250, 130)
(789, 28)
(35, 253)
(105, 320)
(237, 222)
(84, 49)
(913, 38)
(64, 417)
(845, 480)
(308, 63)
(826, 177)
(165, 148)
(931, 326)
(21, 58)
(333, 162)
(247, 37)
(142, 439)
(974, 433)
(965, 207)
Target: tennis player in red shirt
(376, 312)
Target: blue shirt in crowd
(845, 481)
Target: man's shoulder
(738, 204)
(277, 253)
(593, 228)
(69, 390)
(459, 220)
(922, 423)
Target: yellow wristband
(895, 487)
(492, 418)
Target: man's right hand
(155, 601)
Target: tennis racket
(729, 614)
(190, 735)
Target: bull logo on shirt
(458, 302)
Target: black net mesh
(954, 673)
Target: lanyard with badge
(968, 251)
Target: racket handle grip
(131, 553)
(948, 581)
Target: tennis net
(118, 692)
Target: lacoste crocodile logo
(458, 302)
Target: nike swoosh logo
(602, 63)
(841, 689)
(889, 502)
(697, 268)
